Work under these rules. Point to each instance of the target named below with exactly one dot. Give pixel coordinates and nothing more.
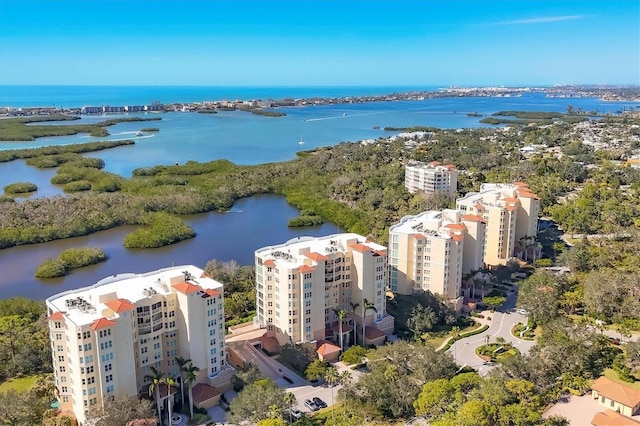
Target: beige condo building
(511, 212)
(431, 178)
(432, 250)
(106, 337)
(301, 282)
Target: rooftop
(617, 392)
(119, 293)
(306, 252)
(431, 223)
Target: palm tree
(354, 306)
(366, 305)
(290, 400)
(169, 382)
(331, 376)
(455, 334)
(182, 363)
(345, 378)
(191, 372)
(341, 314)
(156, 378)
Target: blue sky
(323, 42)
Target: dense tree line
(24, 338)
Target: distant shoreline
(266, 104)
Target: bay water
(238, 136)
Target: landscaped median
(453, 339)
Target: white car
(522, 312)
(296, 414)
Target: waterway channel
(252, 223)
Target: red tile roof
(511, 200)
(450, 166)
(479, 206)
(456, 237)
(306, 268)
(57, 316)
(373, 333)
(360, 247)
(120, 305)
(472, 218)
(612, 418)
(327, 348)
(102, 323)
(380, 252)
(615, 391)
(527, 194)
(316, 256)
(202, 392)
(456, 226)
(269, 262)
(435, 163)
(419, 236)
(187, 288)
(212, 292)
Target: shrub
(69, 260)
(305, 221)
(544, 263)
(6, 199)
(80, 185)
(77, 258)
(354, 355)
(20, 188)
(51, 268)
(163, 229)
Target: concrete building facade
(431, 178)
(106, 337)
(432, 250)
(302, 282)
(511, 213)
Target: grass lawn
(613, 376)
(19, 384)
(436, 341)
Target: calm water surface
(253, 223)
(244, 139)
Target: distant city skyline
(319, 42)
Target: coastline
(268, 102)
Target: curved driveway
(464, 350)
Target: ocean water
(78, 96)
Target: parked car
(320, 403)
(614, 340)
(311, 405)
(523, 312)
(296, 414)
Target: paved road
(464, 350)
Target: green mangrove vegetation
(24, 129)
(529, 117)
(161, 229)
(69, 260)
(15, 154)
(305, 220)
(150, 129)
(20, 188)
